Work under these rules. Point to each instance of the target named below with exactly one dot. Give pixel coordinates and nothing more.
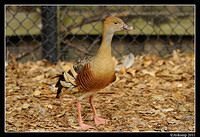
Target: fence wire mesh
(70, 32)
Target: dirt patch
(155, 94)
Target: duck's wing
(67, 79)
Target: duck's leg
(82, 125)
(97, 120)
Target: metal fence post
(49, 33)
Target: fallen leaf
(129, 61)
(17, 124)
(37, 93)
(176, 56)
(132, 71)
(166, 110)
(147, 63)
(149, 73)
(123, 70)
(164, 73)
(188, 118)
(49, 106)
(172, 121)
(178, 96)
(118, 67)
(39, 77)
(61, 114)
(25, 106)
(180, 85)
(14, 89)
(138, 122)
(162, 115)
(140, 86)
(171, 62)
(158, 97)
(19, 108)
(66, 67)
(160, 62)
(181, 108)
(115, 61)
(179, 117)
(42, 110)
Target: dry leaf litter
(153, 94)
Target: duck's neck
(103, 66)
(105, 48)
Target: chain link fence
(70, 32)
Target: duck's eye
(115, 22)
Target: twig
(93, 43)
(26, 53)
(106, 92)
(74, 46)
(14, 60)
(83, 22)
(89, 20)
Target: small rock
(158, 97)
(37, 93)
(181, 108)
(188, 118)
(166, 110)
(25, 106)
(49, 106)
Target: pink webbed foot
(85, 126)
(99, 121)
(59, 99)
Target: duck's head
(112, 24)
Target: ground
(155, 94)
